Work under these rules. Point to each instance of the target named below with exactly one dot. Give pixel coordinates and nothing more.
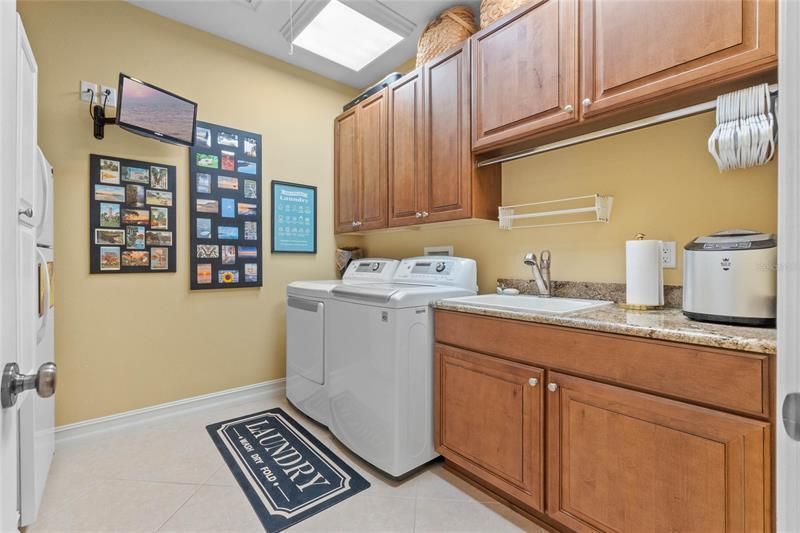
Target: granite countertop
(665, 324)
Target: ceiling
(259, 29)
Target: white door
(8, 260)
(788, 398)
(35, 317)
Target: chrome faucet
(541, 271)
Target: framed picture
(225, 208)
(294, 218)
(131, 216)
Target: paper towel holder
(639, 307)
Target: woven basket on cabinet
(446, 31)
(492, 10)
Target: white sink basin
(536, 304)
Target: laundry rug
(287, 474)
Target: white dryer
(306, 312)
(380, 360)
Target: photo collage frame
(225, 208)
(131, 216)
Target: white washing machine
(306, 311)
(380, 360)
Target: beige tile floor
(167, 476)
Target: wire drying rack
(600, 208)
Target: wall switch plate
(112, 96)
(86, 96)
(668, 259)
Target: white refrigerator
(37, 328)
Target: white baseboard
(264, 390)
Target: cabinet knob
(587, 102)
(552, 387)
(533, 382)
(419, 215)
(354, 224)
(358, 223)
(568, 108)
(26, 212)
(425, 214)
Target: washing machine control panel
(450, 271)
(377, 270)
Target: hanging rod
(610, 132)
(601, 209)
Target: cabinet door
(448, 175)
(524, 73)
(406, 150)
(632, 51)
(346, 169)
(372, 191)
(489, 420)
(620, 461)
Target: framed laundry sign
(225, 208)
(294, 218)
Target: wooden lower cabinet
(620, 460)
(582, 454)
(490, 421)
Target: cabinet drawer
(731, 380)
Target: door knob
(26, 212)
(552, 387)
(533, 382)
(14, 383)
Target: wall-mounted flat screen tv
(153, 112)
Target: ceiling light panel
(345, 36)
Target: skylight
(345, 36)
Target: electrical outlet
(112, 96)
(668, 252)
(86, 95)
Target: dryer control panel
(374, 270)
(448, 271)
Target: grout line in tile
(159, 528)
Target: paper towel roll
(643, 273)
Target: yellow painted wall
(133, 340)
(665, 185)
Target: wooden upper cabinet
(489, 421)
(620, 460)
(447, 185)
(525, 72)
(346, 171)
(634, 51)
(372, 134)
(406, 150)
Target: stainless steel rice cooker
(730, 277)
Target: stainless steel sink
(536, 304)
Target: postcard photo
(109, 258)
(108, 193)
(109, 215)
(159, 177)
(159, 258)
(109, 171)
(159, 238)
(162, 198)
(114, 237)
